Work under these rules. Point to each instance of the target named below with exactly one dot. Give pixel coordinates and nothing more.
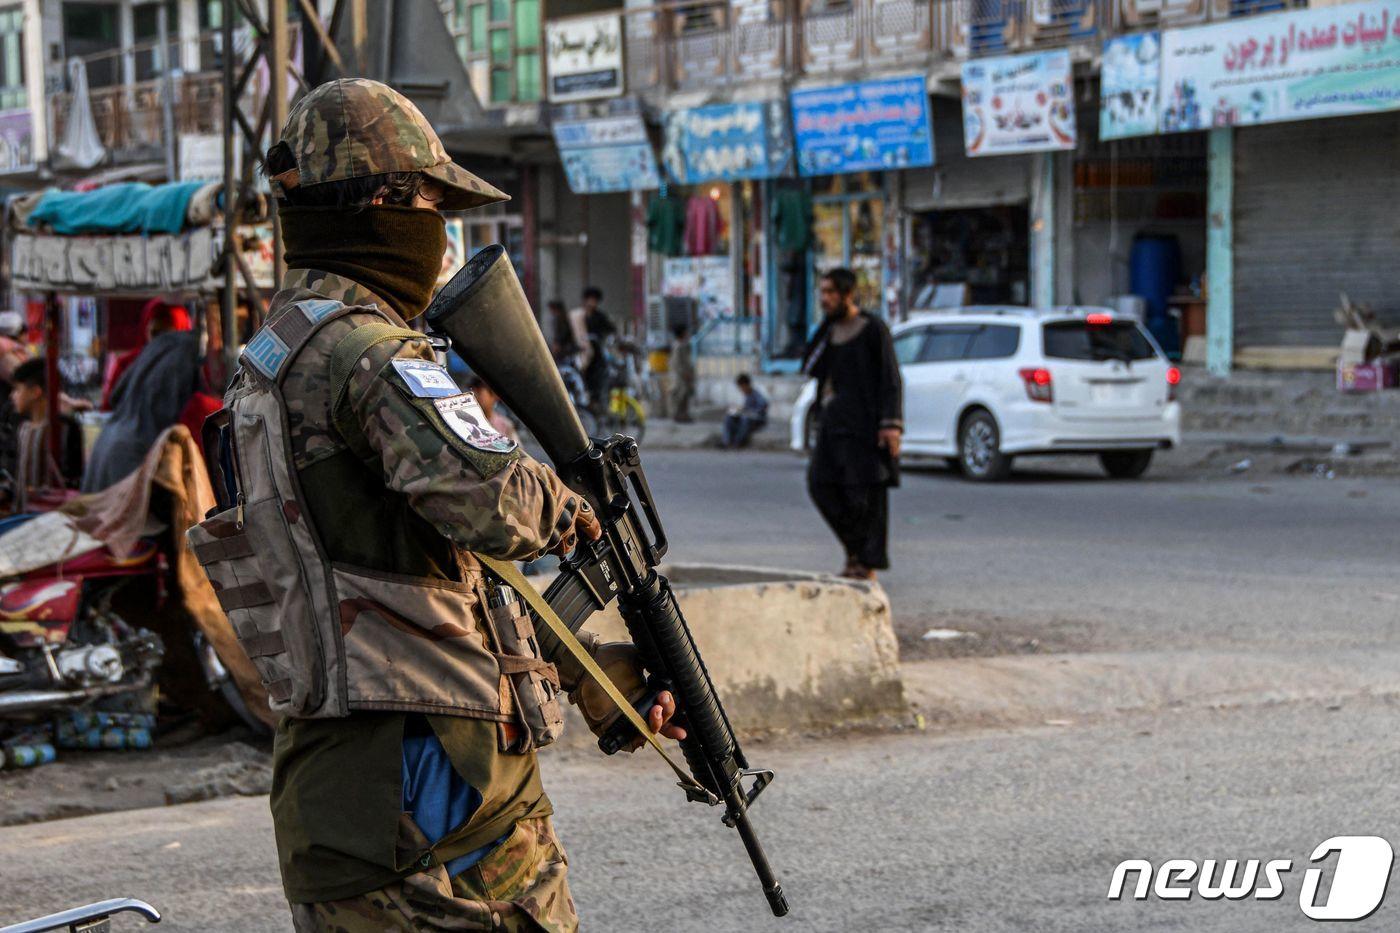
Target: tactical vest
(329, 638)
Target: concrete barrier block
(787, 650)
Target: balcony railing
(692, 46)
(128, 117)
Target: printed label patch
(465, 419)
(426, 379)
(266, 352)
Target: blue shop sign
(606, 154)
(862, 127)
(727, 142)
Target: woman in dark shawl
(149, 397)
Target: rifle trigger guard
(762, 777)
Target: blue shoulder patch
(317, 311)
(266, 352)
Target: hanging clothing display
(701, 226)
(792, 216)
(666, 225)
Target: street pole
(53, 384)
(167, 91)
(228, 317)
(277, 87)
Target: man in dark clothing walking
(860, 410)
(598, 327)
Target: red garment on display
(701, 226)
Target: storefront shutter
(956, 181)
(1317, 213)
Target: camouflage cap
(355, 127)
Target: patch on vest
(426, 379)
(463, 416)
(266, 352)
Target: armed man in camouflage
(402, 815)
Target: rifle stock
(485, 315)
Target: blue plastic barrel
(1154, 268)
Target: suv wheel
(979, 448)
(1128, 464)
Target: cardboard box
(1367, 377)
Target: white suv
(982, 385)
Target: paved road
(995, 831)
(1234, 597)
(1060, 554)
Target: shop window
(500, 86)
(499, 43)
(145, 32)
(12, 92)
(527, 77)
(211, 22)
(527, 23)
(986, 250)
(89, 31)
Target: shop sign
(202, 157)
(606, 153)
(862, 127)
(16, 141)
(727, 142)
(1322, 62)
(583, 57)
(707, 279)
(1018, 103)
(112, 264)
(1132, 67)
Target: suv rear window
(1080, 340)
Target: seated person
(741, 423)
(36, 470)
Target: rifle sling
(508, 574)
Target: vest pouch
(254, 570)
(534, 682)
(413, 644)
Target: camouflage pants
(520, 886)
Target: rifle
(486, 317)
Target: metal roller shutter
(1317, 213)
(955, 181)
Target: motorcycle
(577, 387)
(63, 646)
(77, 670)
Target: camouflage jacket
(377, 602)
(509, 507)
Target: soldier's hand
(585, 524)
(660, 716)
(659, 719)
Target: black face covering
(395, 252)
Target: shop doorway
(975, 256)
(842, 224)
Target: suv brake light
(1173, 380)
(1039, 387)
(1098, 319)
